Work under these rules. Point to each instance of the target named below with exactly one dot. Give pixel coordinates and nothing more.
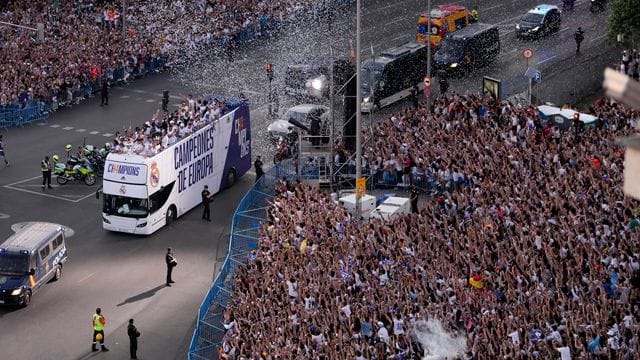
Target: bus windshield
(125, 206)
(14, 263)
(452, 47)
(370, 76)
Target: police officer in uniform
(97, 323)
(104, 92)
(133, 333)
(415, 195)
(258, 167)
(45, 166)
(206, 199)
(579, 37)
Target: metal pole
(18, 26)
(428, 91)
(529, 90)
(124, 11)
(332, 129)
(358, 109)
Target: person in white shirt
(383, 334)
(398, 325)
(292, 288)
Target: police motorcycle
(598, 6)
(74, 169)
(96, 159)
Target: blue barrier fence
(209, 332)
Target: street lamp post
(124, 12)
(358, 108)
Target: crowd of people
(167, 128)
(533, 256)
(84, 42)
(629, 64)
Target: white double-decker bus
(142, 194)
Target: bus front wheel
(231, 178)
(171, 214)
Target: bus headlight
(367, 100)
(16, 292)
(454, 65)
(535, 29)
(141, 225)
(517, 26)
(104, 219)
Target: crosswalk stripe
(124, 96)
(42, 124)
(81, 130)
(150, 100)
(94, 132)
(107, 134)
(67, 128)
(54, 126)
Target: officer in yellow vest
(45, 166)
(97, 323)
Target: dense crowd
(84, 42)
(167, 128)
(533, 256)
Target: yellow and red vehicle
(444, 19)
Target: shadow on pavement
(147, 294)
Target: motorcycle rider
(579, 37)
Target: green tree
(624, 18)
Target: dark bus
(389, 77)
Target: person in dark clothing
(206, 199)
(171, 263)
(258, 167)
(444, 83)
(415, 100)
(415, 195)
(45, 166)
(314, 130)
(579, 37)
(104, 93)
(133, 333)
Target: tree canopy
(624, 18)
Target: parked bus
(389, 77)
(142, 194)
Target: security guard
(134, 334)
(206, 199)
(97, 323)
(45, 166)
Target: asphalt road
(123, 274)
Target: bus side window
(159, 198)
(461, 22)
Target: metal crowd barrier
(18, 115)
(209, 332)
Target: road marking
(492, 7)
(598, 37)
(4, 216)
(54, 126)
(150, 100)
(107, 134)
(565, 29)
(42, 124)
(11, 186)
(512, 51)
(85, 278)
(547, 59)
(94, 132)
(67, 128)
(124, 96)
(396, 38)
(81, 130)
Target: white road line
(124, 96)
(107, 134)
(41, 124)
(11, 186)
(492, 7)
(67, 128)
(54, 126)
(150, 100)
(547, 59)
(565, 29)
(598, 37)
(94, 132)
(85, 278)
(81, 130)
(395, 38)
(512, 51)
